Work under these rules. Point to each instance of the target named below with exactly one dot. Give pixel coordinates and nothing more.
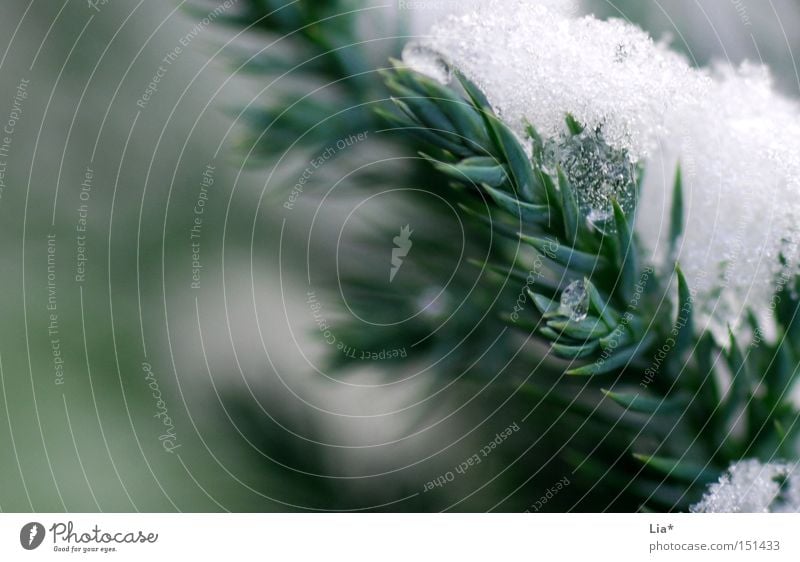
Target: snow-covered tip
(734, 136)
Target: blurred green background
(114, 317)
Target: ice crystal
(752, 487)
(574, 301)
(734, 136)
(601, 172)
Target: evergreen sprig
(703, 404)
(538, 210)
(670, 406)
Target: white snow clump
(751, 487)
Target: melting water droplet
(601, 219)
(574, 301)
(427, 61)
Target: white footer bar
(401, 538)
